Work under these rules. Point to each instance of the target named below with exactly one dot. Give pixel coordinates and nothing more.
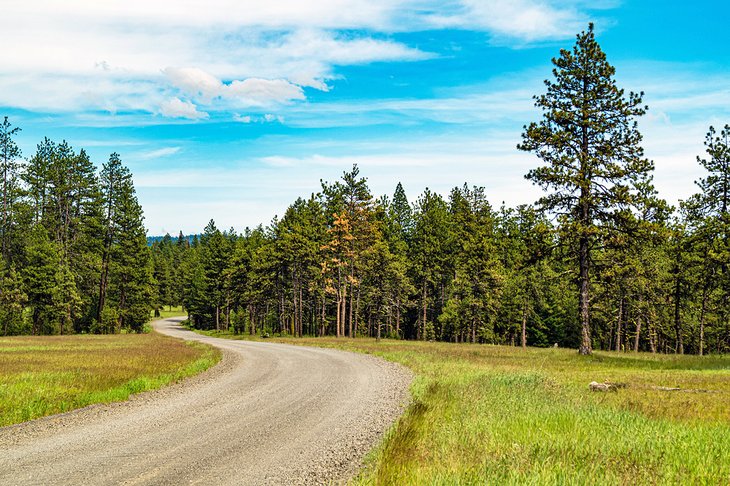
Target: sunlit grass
(45, 375)
(500, 415)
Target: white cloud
(524, 21)
(176, 108)
(158, 153)
(123, 57)
(194, 82)
(256, 91)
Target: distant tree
(41, 272)
(37, 178)
(708, 215)
(401, 213)
(12, 299)
(429, 255)
(590, 144)
(215, 256)
(126, 270)
(113, 176)
(9, 167)
(131, 264)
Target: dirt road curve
(267, 414)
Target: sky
(231, 109)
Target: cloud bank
(191, 60)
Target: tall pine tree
(590, 144)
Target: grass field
(45, 375)
(500, 415)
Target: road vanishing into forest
(266, 414)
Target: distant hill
(153, 239)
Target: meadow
(501, 415)
(45, 375)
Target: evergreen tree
(430, 257)
(590, 143)
(12, 300)
(401, 213)
(9, 168)
(126, 272)
(40, 272)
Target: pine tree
(126, 270)
(40, 272)
(590, 143)
(430, 257)
(12, 300)
(131, 264)
(37, 177)
(708, 212)
(9, 168)
(401, 213)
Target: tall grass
(51, 374)
(500, 415)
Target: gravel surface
(267, 414)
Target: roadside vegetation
(485, 414)
(45, 375)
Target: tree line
(73, 252)
(599, 261)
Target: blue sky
(231, 109)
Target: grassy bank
(45, 375)
(500, 415)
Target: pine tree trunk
(583, 303)
(323, 317)
(652, 337)
(349, 317)
(618, 323)
(638, 325)
(337, 329)
(377, 323)
(357, 312)
(677, 317)
(702, 321)
(524, 327)
(583, 250)
(301, 314)
(422, 329)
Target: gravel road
(267, 414)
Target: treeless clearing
(44, 375)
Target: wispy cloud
(137, 56)
(158, 153)
(177, 108)
(521, 20)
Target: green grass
(500, 415)
(44, 375)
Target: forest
(74, 254)
(601, 261)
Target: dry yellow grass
(44, 375)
